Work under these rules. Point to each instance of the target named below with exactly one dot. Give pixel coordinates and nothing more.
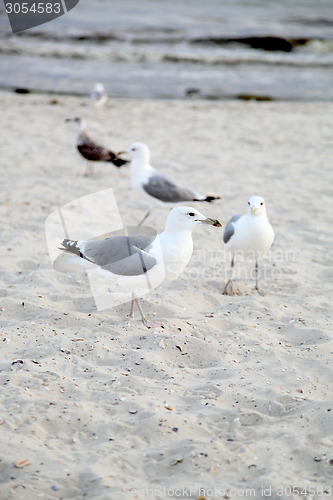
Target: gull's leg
(97, 110)
(131, 314)
(146, 216)
(86, 173)
(257, 278)
(136, 300)
(143, 317)
(89, 169)
(230, 288)
(256, 271)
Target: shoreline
(192, 96)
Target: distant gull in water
(157, 187)
(250, 235)
(98, 94)
(92, 151)
(138, 260)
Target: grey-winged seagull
(92, 151)
(144, 262)
(250, 235)
(154, 185)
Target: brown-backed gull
(92, 151)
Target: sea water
(213, 49)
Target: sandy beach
(231, 396)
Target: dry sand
(233, 396)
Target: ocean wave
(317, 54)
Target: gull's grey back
(230, 228)
(115, 248)
(124, 255)
(165, 190)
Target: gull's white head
(187, 218)
(98, 94)
(80, 122)
(256, 206)
(138, 151)
(98, 88)
(75, 119)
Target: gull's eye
(248, 203)
(191, 214)
(133, 149)
(262, 203)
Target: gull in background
(154, 185)
(145, 261)
(250, 235)
(92, 151)
(98, 95)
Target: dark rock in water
(270, 43)
(22, 91)
(252, 97)
(192, 92)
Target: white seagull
(250, 235)
(157, 187)
(143, 262)
(98, 94)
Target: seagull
(251, 235)
(92, 151)
(157, 187)
(143, 262)
(98, 94)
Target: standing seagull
(92, 151)
(250, 234)
(157, 187)
(136, 263)
(98, 94)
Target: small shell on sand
(17, 364)
(23, 463)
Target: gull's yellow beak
(121, 153)
(253, 210)
(212, 222)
